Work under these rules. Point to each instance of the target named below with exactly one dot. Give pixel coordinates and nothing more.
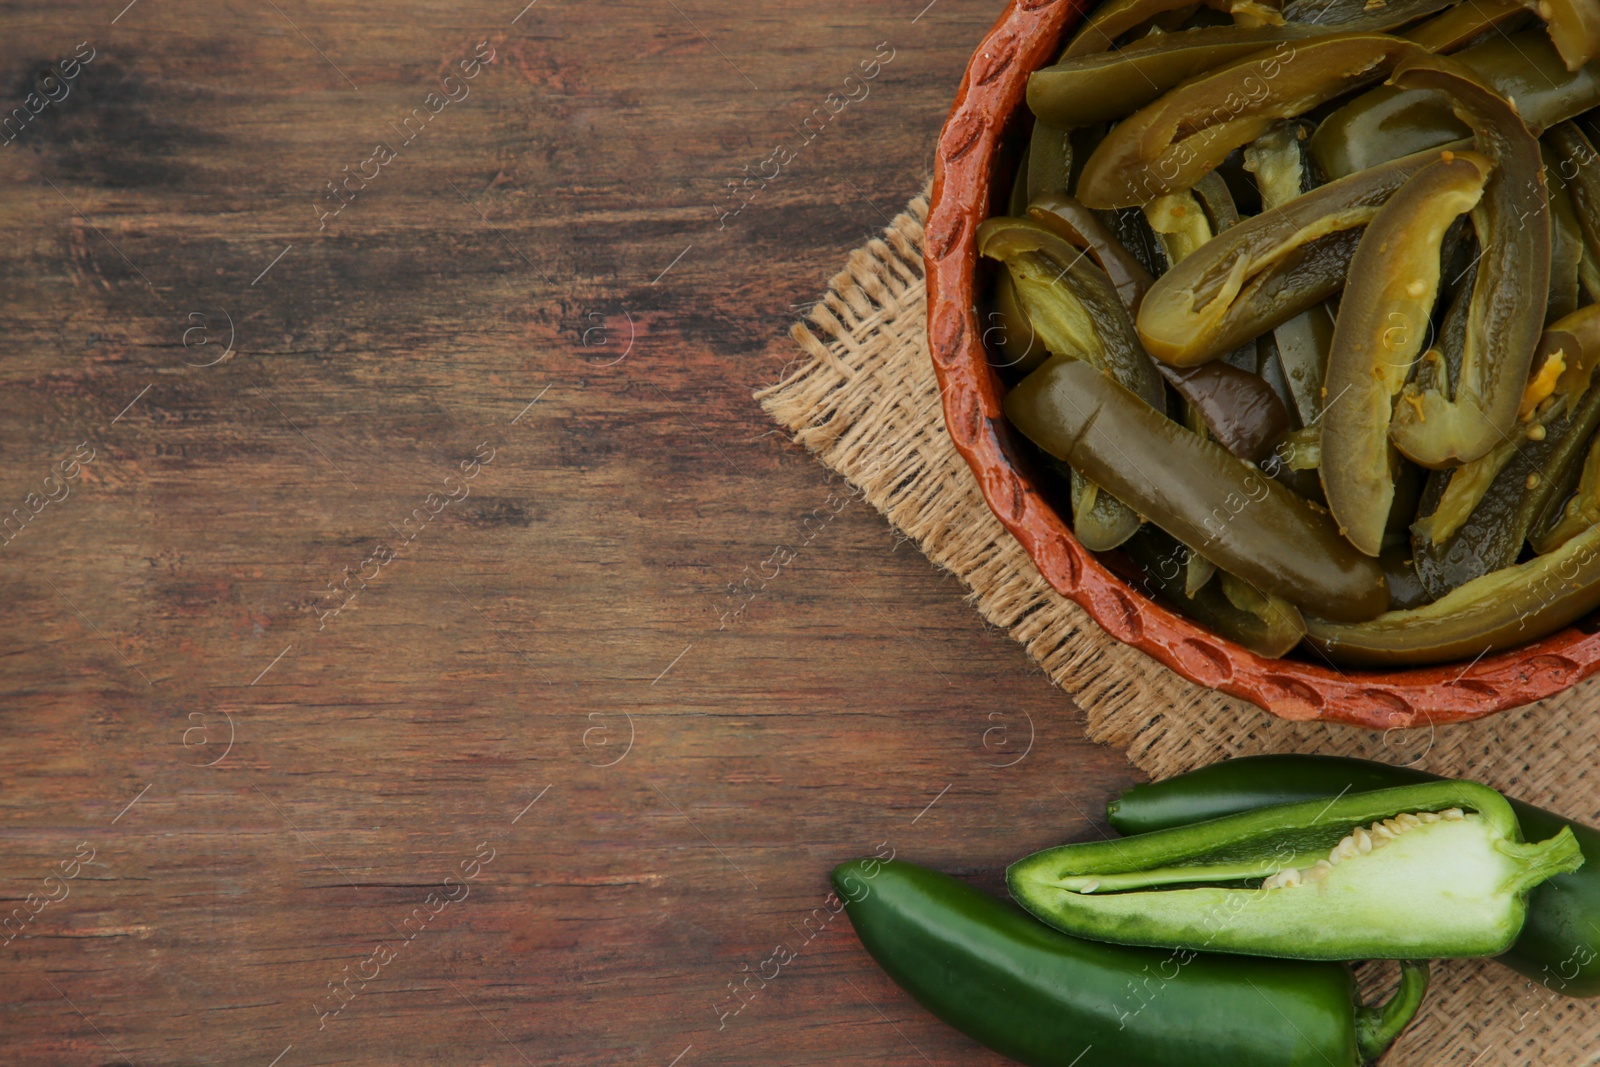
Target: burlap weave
(862, 396)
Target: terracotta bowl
(973, 168)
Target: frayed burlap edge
(862, 396)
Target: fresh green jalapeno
(1384, 320)
(1194, 489)
(1099, 86)
(1429, 871)
(1507, 313)
(1242, 283)
(1559, 945)
(1049, 1000)
(1386, 123)
(1168, 145)
(1505, 608)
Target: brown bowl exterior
(1025, 38)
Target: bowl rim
(1023, 39)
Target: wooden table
(371, 690)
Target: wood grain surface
(419, 648)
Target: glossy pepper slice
(1383, 323)
(1075, 312)
(1416, 872)
(1463, 23)
(1102, 86)
(1560, 943)
(1505, 493)
(1574, 27)
(1386, 123)
(1268, 626)
(1507, 313)
(1505, 608)
(1278, 160)
(1049, 1000)
(1167, 146)
(1267, 269)
(1236, 406)
(1230, 512)
(1117, 17)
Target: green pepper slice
(1566, 242)
(1167, 146)
(1387, 123)
(1574, 27)
(1505, 608)
(1267, 269)
(1268, 626)
(1383, 323)
(1278, 160)
(1194, 489)
(1559, 945)
(1464, 23)
(1485, 510)
(1576, 170)
(1102, 86)
(1117, 17)
(1506, 318)
(1431, 871)
(1049, 1000)
(1076, 312)
(1067, 217)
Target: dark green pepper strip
(1464, 23)
(1167, 146)
(1117, 17)
(1049, 160)
(1560, 942)
(1387, 123)
(1271, 629)
(1105, 86)
(1221, 295)
(1194, 489)
(1507, 313)
(1278, 160)
(1503, 609)
(1076, 312)
(1566, 243)
(1574, 27)
(1007, 329)
(1239, 409)
(1068, 217)
(1402, 873)
(1107, 339)
(1383, 322)
(1579, 170)
(1048, 1000)
(1507, 492)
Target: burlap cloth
(862, 396)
